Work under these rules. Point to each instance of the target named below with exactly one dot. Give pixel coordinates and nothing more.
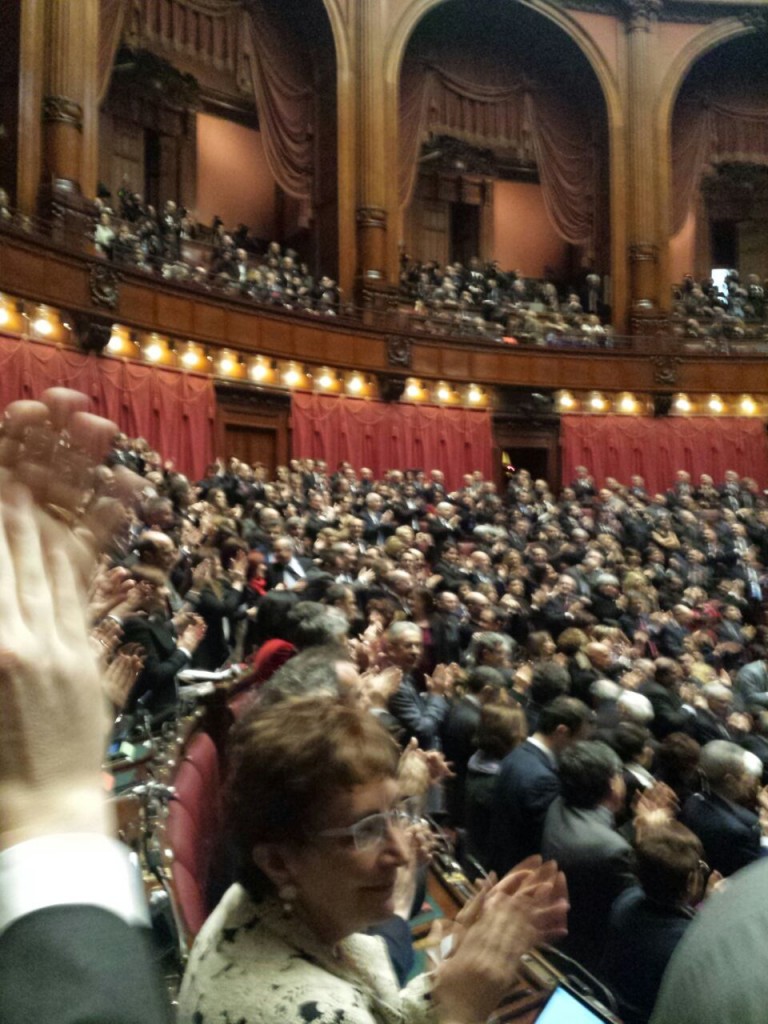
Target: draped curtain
(173, 411)
(382, 436)
(284, 101)
(655, 448)
(245, 43)
(707, 132)
(516, 116)
(111, 21)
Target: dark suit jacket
(526, 786)
(669, 713)
(74, 964)
(730, 834)
(458, 736)
(597, 863)
(275, 571)
(376, 533)
(162, 660)
(642, 937)
(420, 714)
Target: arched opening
(503, 145)
(231, 113)
(719, 138)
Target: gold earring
(287, 894)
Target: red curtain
(173, 411)
(618, 446)
(382, 436)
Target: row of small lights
(280, 373)
(628, 404)
(45, 323)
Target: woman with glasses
(321, 836)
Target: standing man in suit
(663, 691)
(459, 733)
(419, 714)
(72, 913)
(579, 833)
(529, 781)
(378, 522)
(168, 644)
(287, 568)
(723, 814)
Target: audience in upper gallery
(479, 300)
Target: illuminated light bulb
(115, 343)
(597, 401)
(474, 395)
(291, 377)
(154, 352)
(325, 380)
(443, 393)
(43, 326)
(355, 385)
(627, 403)
(567, 400)
(716, 404)
(258, 371)
(748, 405)
(682, 403)
(227, 364)
(413, 390)
(5, 316)
(190, 357)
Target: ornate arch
(415, 11)
(333, 9)
(708, 39)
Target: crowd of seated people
(230, 261)
(717, 317)
(637, 616)
(592, 665)
(487, 302)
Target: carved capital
(103, 284)
(641, 14)
(93, 331)
(61, 110)
(398, 352)
(643, 252)
(665, 370)
(371, 217)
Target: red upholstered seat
(193, 830)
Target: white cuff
(67, 869)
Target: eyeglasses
(371, 831)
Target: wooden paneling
(43, 273)
(174, 314)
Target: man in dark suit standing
(378, 522)
(579, 834)
(529, 781)
(419, 714)
(287, 568)
(669, 712)
(167, 644)
(458, 732)
(723, 815)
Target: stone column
(71, 66)
(374, 161)
(641, 25)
